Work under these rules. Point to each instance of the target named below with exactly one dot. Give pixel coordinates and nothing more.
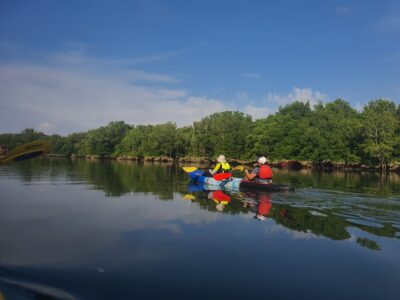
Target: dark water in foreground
(110, 230)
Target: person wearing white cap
(221, 167)
(261, 172)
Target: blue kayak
(234, 183)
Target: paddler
(221, 167)
(220, 198)
(262, 172)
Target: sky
(71, 66)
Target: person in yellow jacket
(221, 167)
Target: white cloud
(77, 57)
(258, 112)
(298, 94)
(77, 94)
(89, 230)
(359, 107)
(46, 128)
(277, 229)
(72, 93)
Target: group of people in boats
(261, 172)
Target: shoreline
(284, 164)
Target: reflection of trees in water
(370, 244)
(375, 183)
(113, 177)
(118, 178)
(301, 219)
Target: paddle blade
(222, 176)
(189, 197)
(189, 169)
(238, 168)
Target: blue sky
(68, 66)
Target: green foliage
(280, 136)
(221, 133)
(102, 141)
(337, 129)
(380, 131)
(150, 140)
(326, 132)
(27, 135)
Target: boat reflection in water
(326, 219)
(259, 203)
(85, 229)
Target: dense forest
(332, 131)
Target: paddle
(238, 168)
(191, 169)
(219, 176)
(27, 151)
(189, 197)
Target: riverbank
(284, 164)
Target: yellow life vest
(222, 167)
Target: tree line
(332, 131)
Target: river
(125, 230)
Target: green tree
(103, 140)
(224, 132)
(335, 132)
(280, 136)
(380, 123)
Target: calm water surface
(112, 230)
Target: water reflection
(104, 230)
(372, 183)
(115, 178)
(323, 203)
(318, 214)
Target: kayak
(235, 183)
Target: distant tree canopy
(327, 131)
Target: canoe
(235, 183)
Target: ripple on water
(364, 222)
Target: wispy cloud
(47, 128)
(343, 10)
(78, 57)
(298, 94)
(65, 97)
(71, 92)
(258, 112)
(251, 75)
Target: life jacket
(265, 172)
(264, 206)
(222, 167)
(219, 197)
